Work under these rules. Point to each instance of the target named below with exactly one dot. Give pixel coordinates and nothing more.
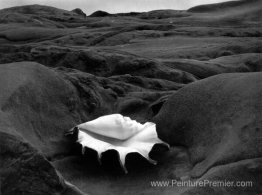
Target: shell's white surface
(116, 132)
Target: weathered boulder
(26, 171)
(218, 119)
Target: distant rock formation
(79, 12)
(221, 6)
(99, 13)
(39, 10)
(38, 15)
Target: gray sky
(112, 6)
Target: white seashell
(116, 132)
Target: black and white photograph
(130, 97)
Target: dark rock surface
(99, 13)
(79, 12)
(25, 171)
(59, 69)
(218, 119)
(244, 170)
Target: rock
(99, 13)
(241, 177)
(221, 6)
(38, 15)
(39, 104)
(218, 119)
(25, 171)
(31, 34)
(132, 96)
(105, 63)
(79, 12)
(250, 62)
(87, 173)
(163, 14)
(38, 9)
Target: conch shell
(116, 132)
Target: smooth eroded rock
(218, 119)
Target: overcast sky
(112, 6)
